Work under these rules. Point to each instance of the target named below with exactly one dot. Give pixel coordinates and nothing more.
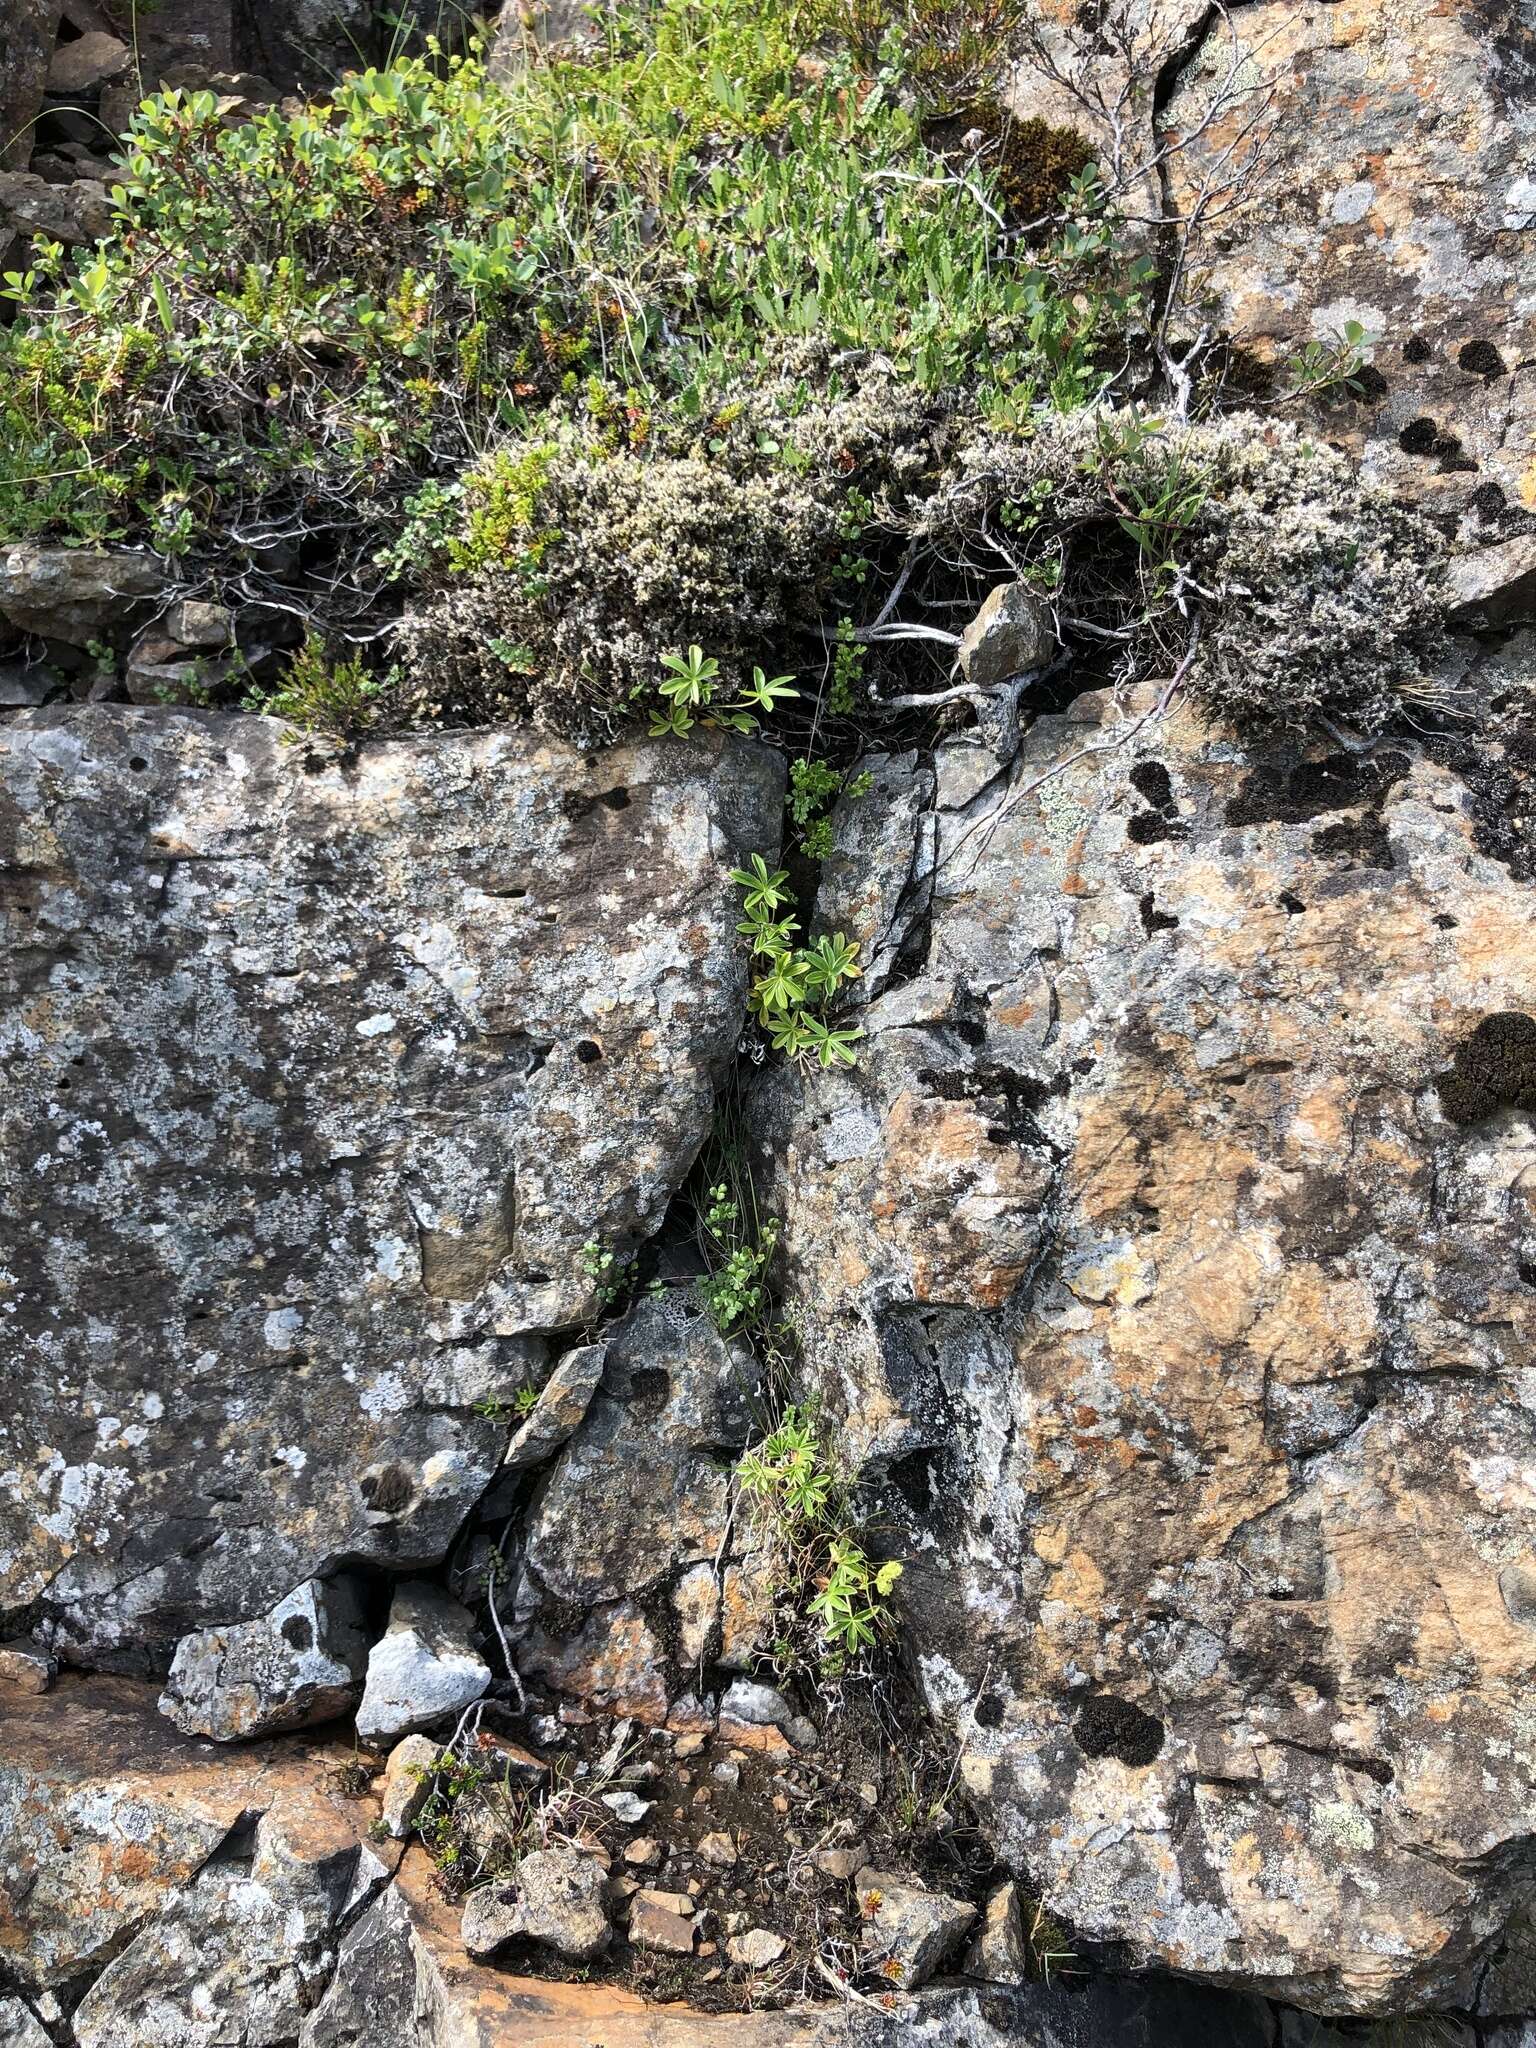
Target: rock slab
(316, 1074)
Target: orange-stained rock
(1219, 1515)
(1373, 206)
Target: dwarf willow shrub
(367, 351)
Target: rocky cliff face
(1170, 1250)
(1164, 1273)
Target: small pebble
(690, 1745)
(624, 1806)
(718, 1849)
(645, 1851)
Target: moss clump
(1034, 163)
(1315, 594)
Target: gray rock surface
(641, 1488)
(424, 1667)
(556, 1897)
(318, 1075)
(19, 2028)
(80, 211)
(873, 881)
(74, 594)
(301, 1664)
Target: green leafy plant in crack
(794, 984)
(814, 786)
(688, 690)
(836, 1594)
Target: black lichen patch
(1107, 1726)
(1151, 780)
(1363, 842)
(297, 1633)
(1416, 349)
(1154, 920)
(1481, 359)
(1419, 436)
(1148, 827)
(1495, 1069)
(1291, 903)
(1280, 793)
(1498, 766)
(1488, 501)
(1011, 1099)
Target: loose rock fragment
(1000, 1953)
(1011, 635)
(662, 1921)
(301, 1664)
(756, 1949)
(26, 1665)
(424, 1668)
(908, 1932)
(408, 1783)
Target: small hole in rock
(138, 764)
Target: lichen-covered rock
(424, 1667)
(319, 1072)
(1371, 206)
(26, 1665)
(73, 594)
(109, 1816)
(1189, 1324)
(556, 1897)
(243, 1951)
(155, 1891)
(641, 1488)
(301, 1664)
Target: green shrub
(433, 329)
